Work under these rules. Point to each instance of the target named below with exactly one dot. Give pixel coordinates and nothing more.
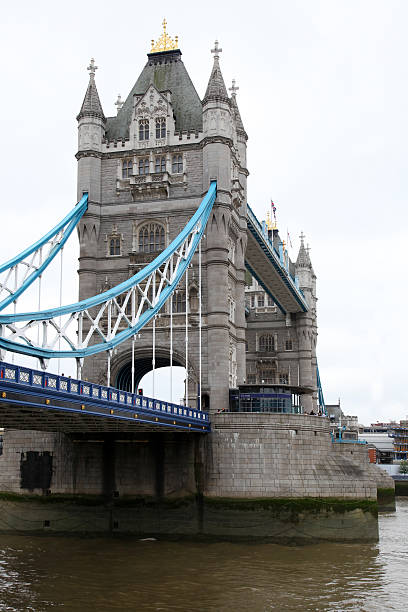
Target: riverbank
(294, 521)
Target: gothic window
(252, 301)
(144, 166)
(261, 301)
(266, 343)
(143, 129)
(161, 127)
(179, 301)
(160, 164)
(270, 301)
(284, 379)
(151, 238)
(127, 168)
(193, 299)
(177, 165)
(114, 246)
(288, 344)
(268, 375)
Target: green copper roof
(165, 71)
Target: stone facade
(146, 170)
(285, 456)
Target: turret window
(177, 165)
(144, 129)
(160, 165)
(288, 344)
(114, 246)
(151, 238)
(144, 166)
(161, 127)
(127, 168)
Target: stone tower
(281, 348)
(146, 171)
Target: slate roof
(91, 104)
(166, 72)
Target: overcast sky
(324, 99)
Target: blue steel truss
(32, 269)
(144, 294)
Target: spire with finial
(92, 69)
(240, 126)
(91, 106)
(165, 42)
(216, 89)
(303, 258)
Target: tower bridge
(174, 269)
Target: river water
(102, 574)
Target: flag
(273, 207)
(289, 241)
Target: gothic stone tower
(281, 349)
(146, 171)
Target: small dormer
(152, 120)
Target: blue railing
(23, 379)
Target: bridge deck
(31, 399)
(266, 266)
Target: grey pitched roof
(216, 89)
(91, 104)
(166, 72)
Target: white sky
(323, 96)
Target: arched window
(161, 127)
(179, 301)
(177, 164)
(160, 164)
(193, 299)
(114, 246)
(288, 344)
(151, 238)
(144, 166)
(127, 168)
(144, 129)
(267, 343)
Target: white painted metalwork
(104, 321)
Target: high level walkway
(270, 269)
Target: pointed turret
(237, 115)
(303, 258)
(91, 131)
(91, 106)
(216, 89)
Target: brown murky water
(103, 574)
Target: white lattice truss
(90, 330)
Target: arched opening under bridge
(162, 377)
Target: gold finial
(165, 42)
(268, 221)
